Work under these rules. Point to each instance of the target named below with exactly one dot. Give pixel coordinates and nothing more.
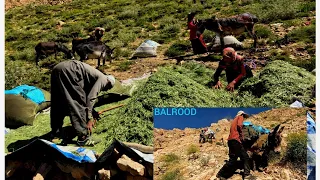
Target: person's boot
(55, 135)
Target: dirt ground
(195, 167)
(14, 3)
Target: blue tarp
(33, 93)
(258, 128)
(78, 154)
(311, 148)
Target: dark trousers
(231, 75)
(198, 46)
(235, 150)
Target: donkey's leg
(37, 59)
(98, 61)
(222, 43)
(251, 32)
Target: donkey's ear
(275, 129)
(281, 129)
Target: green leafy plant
(192, 149)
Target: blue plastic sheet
(258, 128)
(30, 92)
(311, 148)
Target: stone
(104, 174)
(285, 174)
(128, 165)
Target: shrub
(128, 14)
(192, 149)
(296, 148)
(308, 64)
(19, 72)
(126, 36)
(293, 22)
(263, 31)
(271, 10)
(167, 20)
(170, 31)
(305, 34)
(26, 55)
(205, 160)
(172, 175)
(124, 66)
(307, 6)
(171, 157)
(178, 48)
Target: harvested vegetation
(278, 83)
(128, 24)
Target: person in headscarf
(196, 37)
(236, 150)
(74, 88)
(236, 70)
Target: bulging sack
(21, 110)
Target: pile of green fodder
(277, 84)
(176, 86)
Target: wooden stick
(108, 109)
(140, 147)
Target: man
(74, 88)
(196, 38)
(236, 150)
(206, 133)
(236, 70)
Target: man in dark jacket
(74, 88)
(236, 150)
(236, 70)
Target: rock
(134, 168)
(285, 174)
(223, 121)
(104, 174)
(61, 23)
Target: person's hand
(90, 126)
(218, 85)
(230, 86)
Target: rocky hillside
(178, 155)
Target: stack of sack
(23, 103)
(147, 49)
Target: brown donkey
(262, 147)
(230, 26)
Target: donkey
(96, 36)
(230, 26)
(43, 49)
(261, 148)
(94, 50)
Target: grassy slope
(126, 22)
